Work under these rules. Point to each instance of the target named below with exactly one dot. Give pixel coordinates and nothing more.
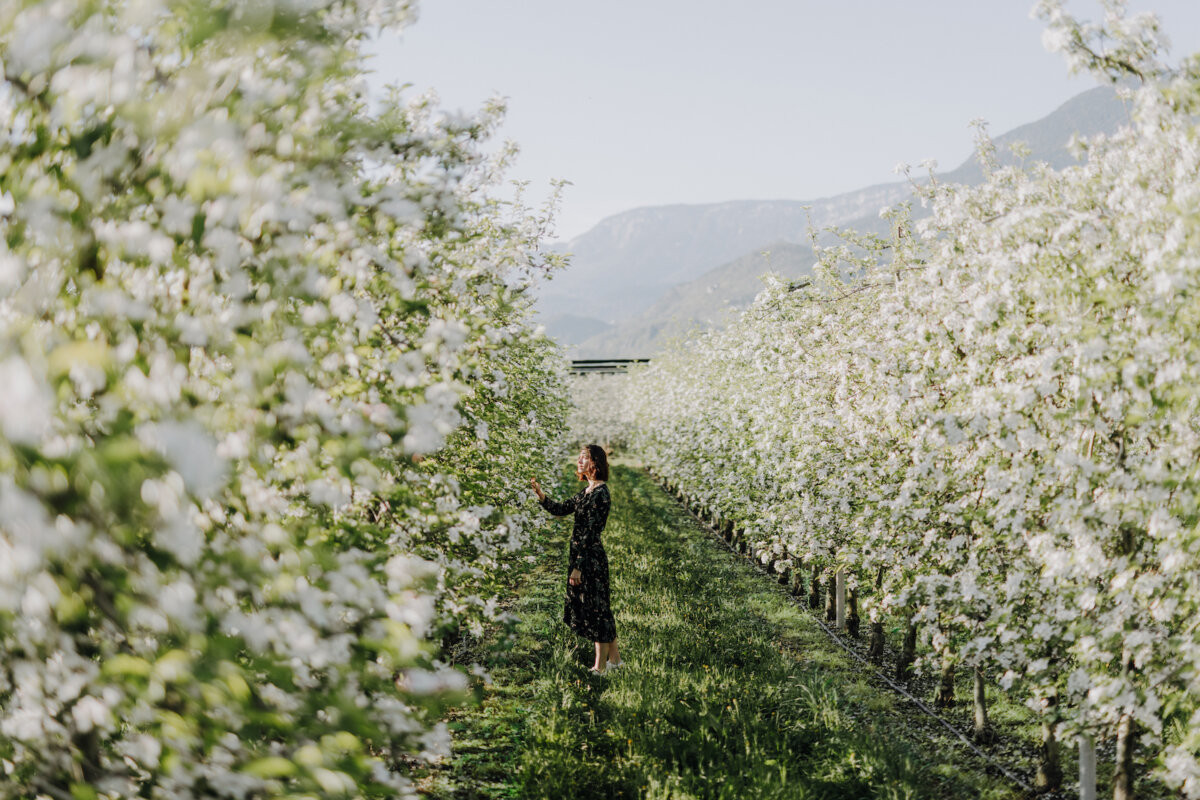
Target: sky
(655, 102)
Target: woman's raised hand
(537, 489)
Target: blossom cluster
(990, 419)
(267, 372)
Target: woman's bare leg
(601, 656)
(614, 655)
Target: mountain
(569, 329)
(1093, 112)
(628, 261)
(648, 271)
(703, 302)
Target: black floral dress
(587, 610)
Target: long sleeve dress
(587, 610)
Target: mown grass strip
(728, 690)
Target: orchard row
(267, 371)
(987, 424)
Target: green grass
(728, 689)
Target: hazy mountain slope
(569, 329)
(624, 264)
(625, 268)
(1093, 112)
(703, 302)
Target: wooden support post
(1087, 767)
(840, 581)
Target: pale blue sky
(651, 102)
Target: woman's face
(582, 463)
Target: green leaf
(123, 664)
(82, 791)
(271, 767)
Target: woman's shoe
(595, 671)
(615, 664)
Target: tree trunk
(983, 733)
(945, 694)
(875, 651)
(852, 620)
(1049, 773)
(831, 600)
(814, 588)
(797, 584)
(839, 608)
(89, 747)
(1123, 776)
(908, 653)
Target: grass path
(728, 690)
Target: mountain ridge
(629, 262)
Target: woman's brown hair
(597, 469)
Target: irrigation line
(921, 705)
(882, 675)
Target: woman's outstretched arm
(559, 509)
(555, 508)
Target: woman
(587, 610)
